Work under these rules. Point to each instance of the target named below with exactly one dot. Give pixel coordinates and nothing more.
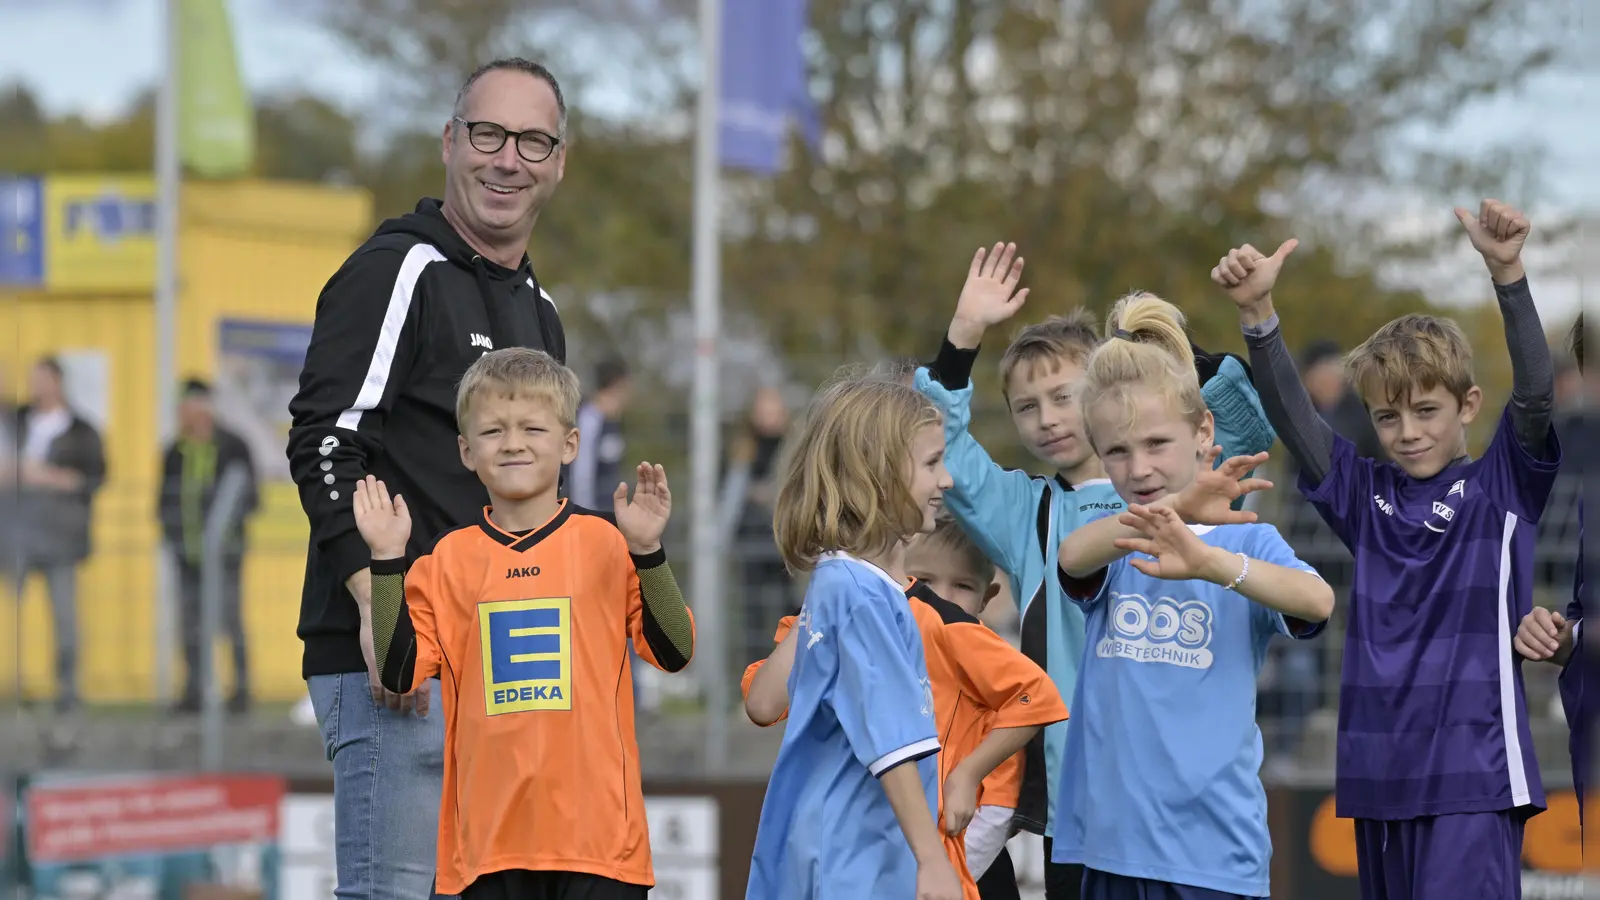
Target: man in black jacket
(395, 328)
(191, 469)
(61, 465)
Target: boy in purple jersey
(1549, 636)
(1435, 761)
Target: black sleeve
(169, 500)
(363, 343)
(1289, 408)
(667, 626)
(1532, 371)
(394, 637)
(88, 458)
(953, 367)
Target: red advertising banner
(120, 816)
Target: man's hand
(960, 801)
(1544, 636)
(360, 587)
(990, 295)
(1247, 276)
(1498, 233)
(644, 519)
(1209, 500)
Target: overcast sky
(92, 56)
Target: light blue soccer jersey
(1019, 520)
(1161, 777)
(860, 704)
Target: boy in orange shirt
(989, 701)
(526, 617)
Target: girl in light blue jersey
(1160, 796)
(849, 809)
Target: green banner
(216, 121)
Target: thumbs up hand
(1498, 232)
(1246, 275)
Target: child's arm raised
(993, 504)
(1247, 276)
(1498, 232)
(1180, 556)
(1208, 501)
(404, 638)
(659, 622)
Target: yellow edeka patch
(527, 654)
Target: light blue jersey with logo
(860, 704)
(1161, 777)
(1019, 521)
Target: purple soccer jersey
(1432, 718)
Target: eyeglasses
(488, 137)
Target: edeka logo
(527, 654)
(1166, 631)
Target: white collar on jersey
(841, 555)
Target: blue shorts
(1106, 886)
(1477, 855)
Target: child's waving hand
(990, 295)
(384, 524)
(1179, 554)
(1208, 501)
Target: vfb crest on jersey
(1165, 630)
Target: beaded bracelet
(1244, 571)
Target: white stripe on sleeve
(394, 321)
(884, 763)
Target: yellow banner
(100, 233)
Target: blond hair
(1069, 338)
(1147, 347)
(1410, 354)
(846, 481)
(950, 541)
(517, 372)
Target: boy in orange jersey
(989, 701)
(526, 617)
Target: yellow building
(250, 252)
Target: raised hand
(1247, 275)
(1497, 232)
(1179, 554)
(384, 524)
(990, 295)
(644, 519)
(1209, 499)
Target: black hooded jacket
(396, 327)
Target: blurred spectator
(763, 584)
(191, 468)
(598, 468)
(1323, 366)
(61, 465)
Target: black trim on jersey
(525, 540)
(949, 613)
(654, 635)
(1033, 798)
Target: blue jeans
(388, 771)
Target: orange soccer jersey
(980, 683)
(529, 635)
